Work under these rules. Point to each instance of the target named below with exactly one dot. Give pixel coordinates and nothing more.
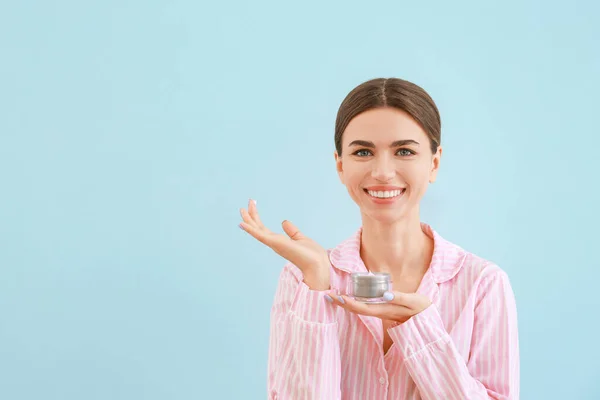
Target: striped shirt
(463, 346)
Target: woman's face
(386, 163)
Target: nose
(383, 169)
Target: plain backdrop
(131, 133)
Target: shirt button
(382, 380)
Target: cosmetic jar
(369, 287)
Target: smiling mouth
(388, 194)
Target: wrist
(317, 280)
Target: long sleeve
(304, 351)
(492, 370)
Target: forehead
(383, 125)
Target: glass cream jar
(369, 287)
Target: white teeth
(386, 194)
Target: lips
(383, 188)
(385, 195)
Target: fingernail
(341, 300)
(388, 296)
(328, 298)
(241, 227)
(254, 201)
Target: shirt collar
(446, 261)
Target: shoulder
(450, 259)
(464, 269)
(481, 267)
(483, 279)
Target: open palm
(294, 246)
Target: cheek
(354, 188)
(354, 178)
(418, 180)
(416, 173)
(353, 175)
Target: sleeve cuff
(419, 331)
(311, 306)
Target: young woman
(449, 327)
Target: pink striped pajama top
(464, 346)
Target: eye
(407, 152)
(361, 151)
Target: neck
(400, 248)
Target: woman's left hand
(400, 307)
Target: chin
(387, 216)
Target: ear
(339, 166)
(435, 164)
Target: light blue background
(132, 132)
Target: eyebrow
(371, 145)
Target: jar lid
(372, 277)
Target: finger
(248, 218)
(338, 300)
(394, 297)
(268, 238)
(254, 213)
(291, 230)
(258, 234)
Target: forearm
(304, 355)
(439, 370)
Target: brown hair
(390, 92)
